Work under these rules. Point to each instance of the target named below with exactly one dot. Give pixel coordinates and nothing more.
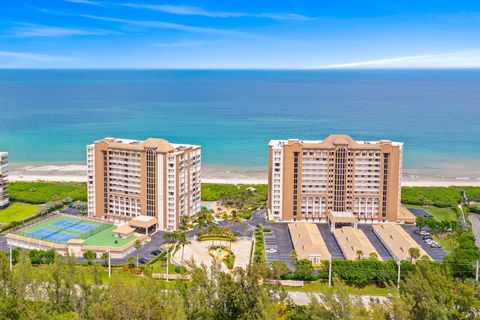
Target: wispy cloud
(171, 26)
(30, 56)
(452, 59)
(197, 11)
(181, 44)
(87, 2)
(35, 30)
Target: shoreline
(76, 172)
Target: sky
(248, 34)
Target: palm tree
(183, 241)
(414, 253)
(359, 254)
(293, 255)
(105, 259)
(373, 256)
(137, 245)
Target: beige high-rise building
(140, 179)
(3, 179)
(334, 179)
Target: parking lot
(435, 253)
(279, 244)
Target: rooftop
(396, 240)
(335, 139)
(352, 240)
(159, 145)
(308, 241)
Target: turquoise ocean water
(50, 115)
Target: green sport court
(62, 229)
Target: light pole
(398, 275)
(167, 263)
(109, 265)
(330, 272)
(11, 259)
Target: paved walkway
(475, 220)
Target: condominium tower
(3, 179)
(310, 180)
(152, 178)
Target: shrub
(437, 196)
(43, 192)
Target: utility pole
(109, 265)
(167, 262)
(330, 272)
(476, 273)
(398, 275)
(11, 260)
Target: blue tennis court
(61, 236)
(64, 223)
(82, 227)
(42, 233)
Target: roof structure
(351, 241)
(308, 241)
(333, 140)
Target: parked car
(143, 260)
(156, 252)
(271, 250)
(425, 237)
(424, 233)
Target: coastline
(76, 172)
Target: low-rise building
(308, 242)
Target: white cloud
(171, 26)
(87, 2)
(466, 59)
(35, 30)
(180, 44)
(197, 11)
(28, 56)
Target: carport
(337, 219)
(144, 222)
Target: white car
(271, 250)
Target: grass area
(447, 241)
(321, 286)
(17, 211)
(439, 214)
(259, 254)
(43, 192)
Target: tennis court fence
(90, 233)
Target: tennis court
(62, 228)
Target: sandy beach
(218, 174)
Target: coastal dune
(76, 172)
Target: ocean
(48, 116)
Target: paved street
(303, 298)
(475, 220)
(436, 253)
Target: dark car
(155, 252)
(143, 260)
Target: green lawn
(440, 214)
(17, 211)
(106, 238)
(43, 192)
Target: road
(303, 298)
(475, 220)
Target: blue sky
(239, 34)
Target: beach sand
(224, 174)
